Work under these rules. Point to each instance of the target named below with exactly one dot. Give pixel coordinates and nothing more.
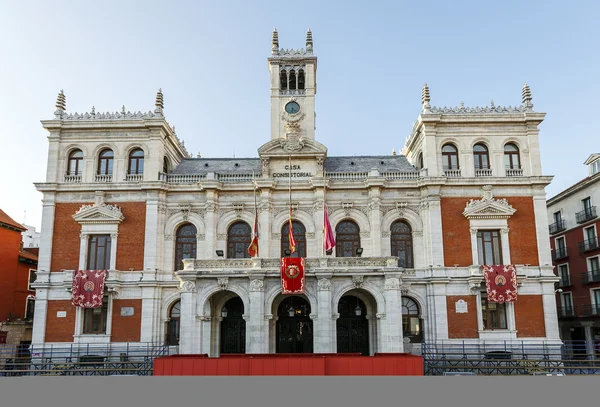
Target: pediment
(488, 209)
(284, 146)
(102, 213)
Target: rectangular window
(99, 252)
(489, 247)
(587, 204)
(557, 217)
(560, 245)
(32, 278)
(29, 309)
(596, 302)
(493, 313)
(563, 273)
(589, 234)
(594, 264)
(94, 319)
(566, 300)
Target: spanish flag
(253, 248)
(328, 239)
(292, 241)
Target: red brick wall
(60, 329)
(132, 234)
(462, 325)
(522, 235)
(529, 316)
(130, 246)
(65, 238)
(457, 236)
(126, 329)
(21, 292)
(10, 241)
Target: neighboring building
(31, 237)
(574, 226)
(17, 299)
(122, 193)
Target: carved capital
(385, 234)
(392, 283)
(380, 315)
(256, 285)
(473, 231)
(504, 231)
(187, 287)
(324, 284)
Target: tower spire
(309, 41)
(159, 102)
(526, 94)
(61, 104)
(425, 99)
(275, 42)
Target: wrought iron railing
(560, 253)
(591, 276)
(566, 312)
(80, 359)
(591, 310)
(589, 244)
(586, 214)
(565, 281)
(557, 226)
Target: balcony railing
(103, 178)
(591, 276)
(72, 178)
(566, 312)
(590, 244)
(560, 253)
(134, 177)
(565, 281)
(452, 173)
(400, 175)
(180, 178)
(347, 176)
(557, 226)
(586, 214)
(483, 172)
(590, 310)
(514, 172)
(235, 177)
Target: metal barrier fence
(80, 360)
(510, 358)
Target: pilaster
(393, 316)
(256, 338)
(323, 322)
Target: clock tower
(293, 89)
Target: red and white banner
(292, 275)
(500, 282)
(88, 288)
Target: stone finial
(159, 102)
(123, 112)
(425, 98)
(527, 96)
(61, 104)
(275, 42)
(309, 41)
(393, 151)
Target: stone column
(550, 313)
(393, 341)
(322, 324)
(375, 218)
(319, 219)
(41, 309)
(264, 224)
(589, 339)
(151, 240)
(188, 336)
(210, 227)
(150, 314)
(255, 334)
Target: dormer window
(595, 167)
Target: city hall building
(411, 230)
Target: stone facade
(414, 296)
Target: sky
(209, 58)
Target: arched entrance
(294, 328)
(352, 326)
(233, 327)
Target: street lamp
(224, 312)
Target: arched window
(420, 161)
(299, 236)
(173, 324)
(450, 157)
(75, 163)
(301, 79)
(292, 81)
(239, 237)
(185, 244)
(347, 234)
(105, 163)
(165, 165)
(512, 160)
(411, 323)
(402, 245)
(481, 157)
(283, 80)
(136, 161)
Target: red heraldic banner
(88, 288)
(500, 282)
(292, 275)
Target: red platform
(300, 364)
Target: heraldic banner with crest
(292, 275)
(500, 283)
(88, 288)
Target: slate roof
(384, 163)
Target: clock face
(292, 108)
